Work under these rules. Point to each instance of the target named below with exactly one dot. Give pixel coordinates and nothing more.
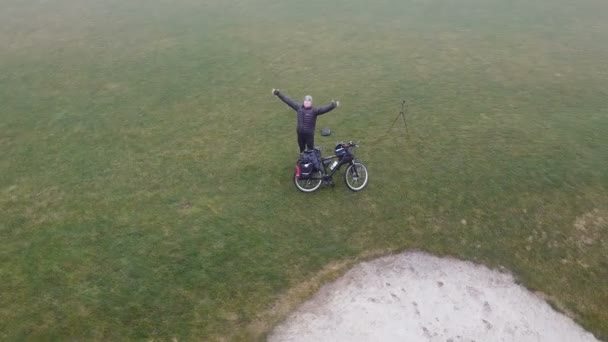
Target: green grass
(145, 187)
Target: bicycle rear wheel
(356, 176)
(308, 185)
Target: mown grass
(145, 187)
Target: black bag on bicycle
(343, 154)
(346, 158)
(306, 165)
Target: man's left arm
(333, 105)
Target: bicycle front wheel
(308, 185)
(356, 176)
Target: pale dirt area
(419, 297)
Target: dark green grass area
(145, 169)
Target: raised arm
(291, 103)
(333, 105)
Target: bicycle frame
(337, 168)
(323, 160)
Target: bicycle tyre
(308, 185)
(358, 181)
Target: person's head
(307, 101)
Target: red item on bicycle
(298, 171)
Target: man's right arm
(291, 103)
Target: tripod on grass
(401, 116)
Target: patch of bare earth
(591, 228)
(419, 297)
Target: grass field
(145, 169)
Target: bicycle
(355, 175)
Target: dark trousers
(306, 141)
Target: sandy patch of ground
(419, 297)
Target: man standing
(307, 118)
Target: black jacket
(307, 117)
